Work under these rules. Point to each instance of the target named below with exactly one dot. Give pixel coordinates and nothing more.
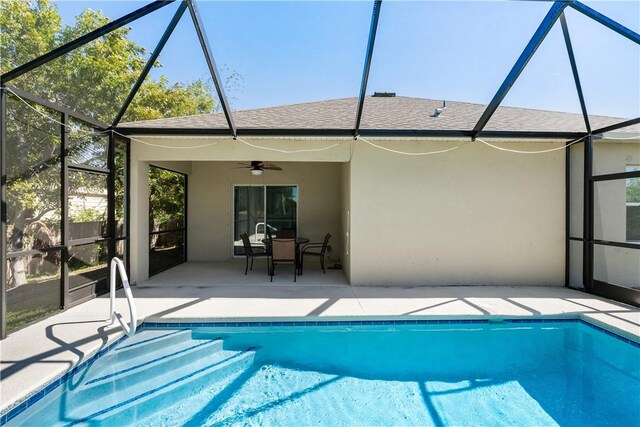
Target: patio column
(587, 248)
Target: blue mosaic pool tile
(48, 389)
(174, 325)
(33, 399)
(16, 411)
(613, 334)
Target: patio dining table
(299, 241)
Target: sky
(292, 52)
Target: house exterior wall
(473, 216)
(345, 218)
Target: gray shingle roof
(398, 112)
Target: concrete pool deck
(32, 357)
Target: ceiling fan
(257, 167)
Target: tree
(633, 190)
(93, 79)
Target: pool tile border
(31, 400)
(51, 386)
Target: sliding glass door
(262, 210)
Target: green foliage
(93, 79)
(88, 215)
(166, 199)
(633, 190)
(27, 29)
(19, 318)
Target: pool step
(167, 366)
(166, 374)
(139, 350)
(208, 379)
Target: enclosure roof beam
(152, 60)
(215, 76)
(607, 22)
(56, 107)
(533, 45)
(617, 126)
(574, 70)
(327, 133)
(89, 37)
(367, 63)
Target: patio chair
(248, 251)
(283, 251)
(312, 249)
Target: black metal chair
(248, 251)
(312, 249)
(283, 251)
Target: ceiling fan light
(256, 172)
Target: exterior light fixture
(256, 171)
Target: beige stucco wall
(473, 216)
(211, 201)
(345, 218)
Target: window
(262, 210)
(633, 205)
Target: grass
(19, 318)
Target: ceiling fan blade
(272, 168)
(269, 165)
(241, 167)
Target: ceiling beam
(213, 70)
(617, 126)
(372, 133)
(152, 60)
(367, 63)
(574, 70)
(533, 45)
(607, 22)
(55, 107)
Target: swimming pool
(561, 372)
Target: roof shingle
(398, 112)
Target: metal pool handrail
(113, 314)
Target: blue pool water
(522, 374)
